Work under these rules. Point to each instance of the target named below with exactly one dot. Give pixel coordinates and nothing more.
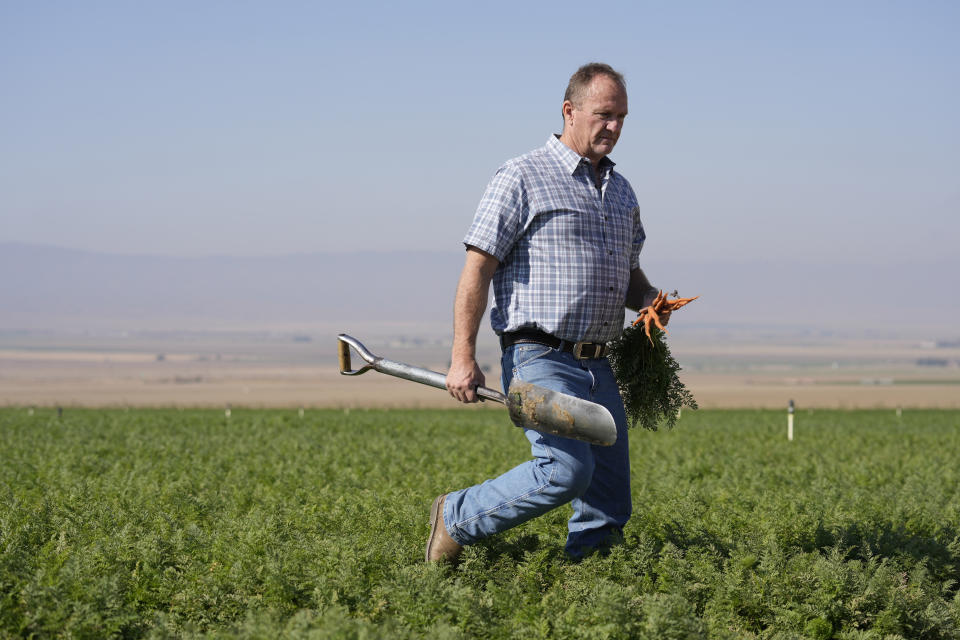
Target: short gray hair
(583, 76)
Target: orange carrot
(650, 315)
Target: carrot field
(187, 523)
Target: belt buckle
(578, 350)
(598, 350)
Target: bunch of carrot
(646, 372)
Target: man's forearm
(640, 292)
(468, 308)
(469, 304)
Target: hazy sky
(789, 130)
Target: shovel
(531, 406)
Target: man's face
(594, 126)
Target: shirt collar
(570, 159)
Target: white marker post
(790, 421)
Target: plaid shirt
(566, 248)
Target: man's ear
(567, 110)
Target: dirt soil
(720, 373)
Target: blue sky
(808, 131)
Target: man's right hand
(463, 380)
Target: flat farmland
(723, 368)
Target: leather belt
(580, 350)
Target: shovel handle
(399, 369)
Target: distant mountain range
(49, 287)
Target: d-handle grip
(344, 342)
(343, 354)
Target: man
(558, 232)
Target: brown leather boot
(440, 546)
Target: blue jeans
(593, 478)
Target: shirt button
(611, 288)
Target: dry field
(724, 369)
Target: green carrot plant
(181, 524)
(647, 375)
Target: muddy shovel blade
(534, 407)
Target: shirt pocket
(620, 226)
(570, 219)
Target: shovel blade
(534, 407)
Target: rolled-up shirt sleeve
(499, 220)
